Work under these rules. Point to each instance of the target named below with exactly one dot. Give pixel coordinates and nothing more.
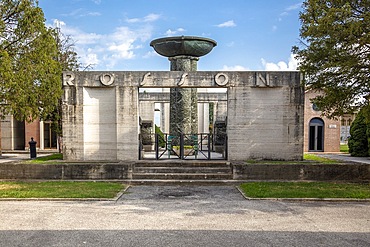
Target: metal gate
(185, 147)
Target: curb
(302, 199)
(114, 199)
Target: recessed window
(315, 107)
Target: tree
(335, 53)
(68, 60)
(358, 142)
(30, 74)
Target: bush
(161, 140)
(358, 143)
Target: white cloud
(91, 58)
(148, 18)
(293, 7)
(106, 49)
(96, 1)
(290, 8)
(227, 24)
(230, 44)
(234, 68)
(150, 54)
(170, 32)
(281, 66)
(82, 13)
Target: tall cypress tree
(358, 143)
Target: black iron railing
(184, 146)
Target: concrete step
(182, 164)
(203, 170)
(182, 170)
(201, 182)
(182, 176)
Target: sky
(114, 35)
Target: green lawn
(59, 189)
(313, 157)
(305, 190)
(52, 158)
(344, 148)
(306, 157)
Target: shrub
(161, 140)
(358, 143)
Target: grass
(48, 159)
(319, 159)
(306, 157)
(305, 190)
(344, 148)
(59, 189)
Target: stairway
(200, 172)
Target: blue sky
(115, 34)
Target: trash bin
(32, 144)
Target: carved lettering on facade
(221, 79)
(182, 80)
(68, 79)
(147, 77)
(106, 79)
(262, 80)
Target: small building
(321, 134)
(15, 134)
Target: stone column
(183, 53)
(183, 101)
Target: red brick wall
(32, 130)
(331, 127)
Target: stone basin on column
(183, 53)
(183, 46)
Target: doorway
(316, 135)
(50, 136)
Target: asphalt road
(184, 216)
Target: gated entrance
(264, 111)
(186, 147)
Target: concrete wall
(147, 110)
(100, 117)
(99, 127)
(14, 133)
(353, 172)
(264, 117)
(7, 139)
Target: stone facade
(101, 112)
(329, 139)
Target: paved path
(184, 216)
(10, 157)
(345, 157)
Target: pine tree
(358, 142)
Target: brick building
(321, 134)
(15, 135)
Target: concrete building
(101, 112)
(16, 135)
